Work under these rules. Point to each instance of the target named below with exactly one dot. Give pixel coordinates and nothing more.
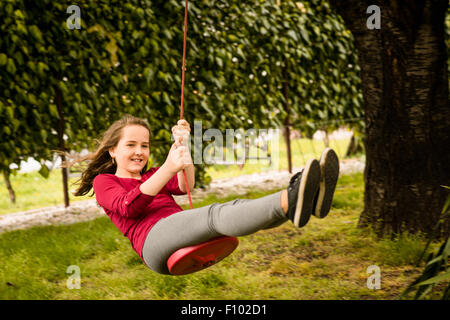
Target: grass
(327, 259)
(34, 191)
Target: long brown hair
(100, 161)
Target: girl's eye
(132, 145)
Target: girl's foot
(329, 173)
(303, 187)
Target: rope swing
(197, 257)
(182, 91)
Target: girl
(140, 202)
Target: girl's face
(132, 151)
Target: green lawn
(327, 259)
(34, 191)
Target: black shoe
(329, 173)
(303, 187)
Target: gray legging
(235, 218)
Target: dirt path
(87, 210)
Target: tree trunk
(61, 127)
(12, 195)
(287, 131)
(326, 137)
(354, 146)
(407, 113)
(246, 152)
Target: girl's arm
(112, 196)
(190, 176)
(177, 160)
(157, 181)
(181, 132)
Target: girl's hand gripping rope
(179, 156)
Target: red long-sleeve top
(131, 211)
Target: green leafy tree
(51, 82)
(245, 64)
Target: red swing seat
(198, 257)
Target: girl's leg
(235, 218)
